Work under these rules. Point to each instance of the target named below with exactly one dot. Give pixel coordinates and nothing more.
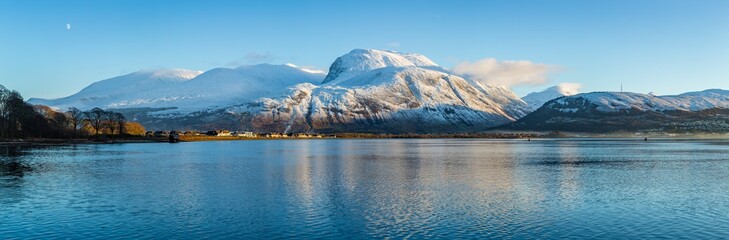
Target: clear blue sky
(662, 46)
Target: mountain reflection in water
(385, 188)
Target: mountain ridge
(602, 112)
(216, 87)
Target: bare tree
(109, 121)
(60, 123)
(19, 119)
(75, 119)
(120, 121)
(95, 118)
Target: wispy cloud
(505, 73)
(393, 45)
(254, 58)
(568, 88)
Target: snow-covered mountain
(625, 101)
(187, 90)
(537, 99)
(380, 91)
(365, 90)
(360, 61)
(384, 91)
(622, 111)
(108, 93)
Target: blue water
(353, 189)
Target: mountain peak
(537, 99)
(359, 61)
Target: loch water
(368, 188)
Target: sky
(52, 49)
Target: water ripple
(387, 188)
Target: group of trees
(19, 119)
(99, 120)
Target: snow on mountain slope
(537, 99)
(364, 91)
(221, 87)
(602, 112)
(620, 101)
(694, 101)
(380, 91)
(316, 71)
(99, 93)
(138, 81)
(186, 90)
(359, 61)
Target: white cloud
(569, 89)
(505, 73)
(253, 58)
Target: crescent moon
(68, 26)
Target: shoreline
(525, 136)
(57, 142)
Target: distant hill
(602, 112)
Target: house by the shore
(161, 134)
(244, 134)
(219, 133)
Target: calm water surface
(413, 188)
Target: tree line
(19, 119)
